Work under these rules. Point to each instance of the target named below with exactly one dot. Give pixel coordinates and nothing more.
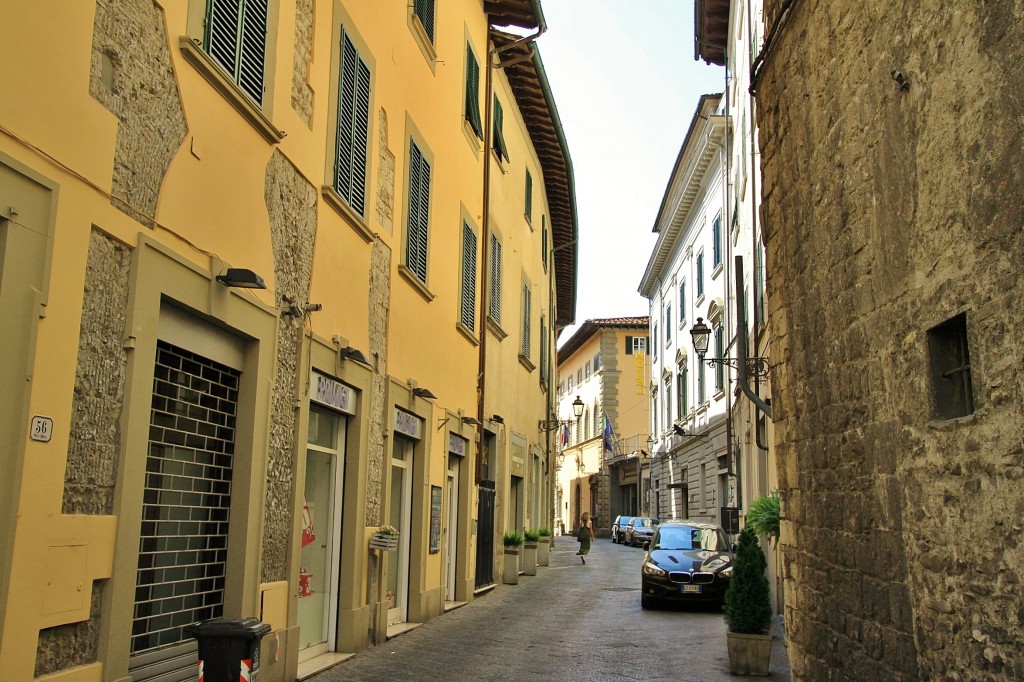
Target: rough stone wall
(302, 94)
(95, 438)
(291, 205)
(385, 210)
(889, 211)
(380, 303)
(131, 75)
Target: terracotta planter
(749, 654)
(530, 558)
(510, 576)
(544, 551)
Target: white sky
(626, 86)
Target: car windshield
(624, 520)
(644, 523)
(685, 537)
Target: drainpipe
(485, 231)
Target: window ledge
(468, 333)
(474, 141)
(354, 220)
(502, 162)
(717, 270)
(525, 362)
(195, 55)
(421, 288)
(422, 39)
(496, 329)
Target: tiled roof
(593, 326)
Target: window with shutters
(227, 43)
(353, 130)
(681, 396)
(419, 214)
(544, 241)
(700, 275)
(668, 324)
(719, 353)
(500, 150)
(682, 302)
(494, 293)
(543, 352)
(423, 10)
(236, 38)
(472, 108)
(467, 301)
(525, 345)
(759, 284)
(716, 237)
(701, 385)
(529, 197)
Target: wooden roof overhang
(711, 30)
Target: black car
(639, 530)
(619, 527)
(686, 561)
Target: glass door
(321, 523)
(452, 526)
(399, 517)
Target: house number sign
(42, 429)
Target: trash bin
(229, 650)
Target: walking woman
(585, 534)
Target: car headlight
(653, 569)
(725, 572)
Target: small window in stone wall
(950, 369)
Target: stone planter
(510, 576)
(388, 543)
(530, 558)
(749, 654)
(544, 551)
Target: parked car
(619, 527)
(686, 561)
(639, 530)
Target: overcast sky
(626, 86)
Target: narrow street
(569, 622)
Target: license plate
(692, 588)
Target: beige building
(271, 279)
(603, 454)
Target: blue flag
(609, 436)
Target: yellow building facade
(274, 274)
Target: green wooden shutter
(353, 127)
(236, 38)
(529, 196)
(494, 307)
(719, 352)
(716, 232)
(544, 240)
(424, 9)
(499, 138)
(473, 93)
(419, 204)
(467, 307)
(526, 320)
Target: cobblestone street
(570, 622)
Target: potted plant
(530, 541)
(748, 609)
(384, 538)
(765, 517)
(512, 540)
(544, 546)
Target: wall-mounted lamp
(241, 278)
(552, 424)
(350, 353)
(465, 420)
(561, 458)
(471, 421)
(651, 442)
(678, 430)
(425, 393)
(497, 419)
(701, 334)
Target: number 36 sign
(42, 429)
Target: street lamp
(701, 334)
(552, 424)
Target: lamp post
(701, 334)
(552, 424)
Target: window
(586, 371)
(654, 337)
(570, 384)
(419, 213)
(467, 302)
(494, 305)
(561, 388)
(950, 367)
(353, 127)
(543, 351)
(701, 387)
(525, 346)
(668, 325)
(529, 196)
(472, 112)
(682, 301)
(759, 283)
(668, 400)
(716, 236)
(499, 138)
(597, 361)
(719, 353)
(424, 11)
(636, 344)
(700, 274)
(236, 38)
(579, 377)
(681, 398)
(544, 240)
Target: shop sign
(408, 424)
(456, 445)
(333, 393)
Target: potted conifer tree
(748, 609)
(513, 541)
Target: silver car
(639, 530)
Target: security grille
(187, 494)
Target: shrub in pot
(748, 609)
(512, 540)
(531, 538)
(544, 546)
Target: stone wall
(889, 210)
(302, 94)
(132, 75)
(291, 206)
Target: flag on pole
(565, 435)
(609, 437)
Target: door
(319, 556)
(400, 518)
(485, 535)
(451, 525)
